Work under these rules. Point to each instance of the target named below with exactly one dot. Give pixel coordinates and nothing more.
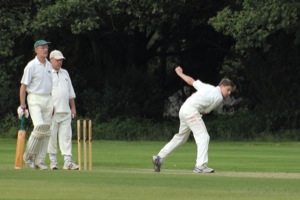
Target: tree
(265, 63)
(107, 42)
(14, 24)
(252, 25)
(118, 35)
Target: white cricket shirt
(38, 77)
(62, 91)
(204, 100)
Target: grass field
(123, 170)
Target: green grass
(123, 170)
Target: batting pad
(31, 147)
(41, 131)
(42, 151)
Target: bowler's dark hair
(227, 82)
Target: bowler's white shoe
(70, 165)
(156, 160)
(203, 169)
(53, 165)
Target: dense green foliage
(121, 54)
(266, 60)
(237, 127)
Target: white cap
(56, 54)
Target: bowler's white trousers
(61, 129)
(189, 123)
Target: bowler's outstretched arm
(189, 80)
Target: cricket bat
(20, 145)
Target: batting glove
(22, 111)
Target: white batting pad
(42, 151)
(31, 147)
(42, 128)
(41, 131)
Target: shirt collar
(55, 71)
(38, 62)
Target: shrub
(129, 128)
(10, 126)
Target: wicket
(85, 137)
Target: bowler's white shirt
(38, 77)
(204, 100)
(62, 91)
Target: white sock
(52, 157)
(67, 158)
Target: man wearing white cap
(63, 96)
(37, 83)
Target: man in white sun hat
(37, 83)
(63, 96)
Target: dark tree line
(121, 53)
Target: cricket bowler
(203, 101)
